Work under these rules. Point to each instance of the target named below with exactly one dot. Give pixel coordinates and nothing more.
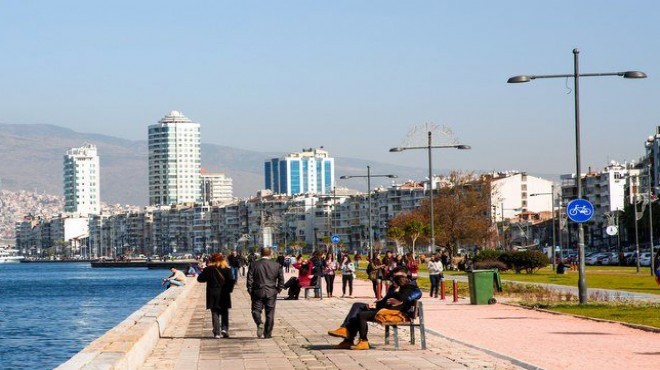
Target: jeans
(234, 273)
(435, 284)
(171, 282)
(220, 319)
(356, 320)
(347, 279)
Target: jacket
(304, 273)
(265, 278)
(219, 285)
(407, 294)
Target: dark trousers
(293, 287)
(220, 318)
(234, 273)
(258, 305)
(435, 284)
(347, 279)
(329, 282)
(356, 320)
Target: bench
(416, 321)
(307, 288)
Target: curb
(129, 343)
(630, 325)
(501, 356)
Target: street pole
(582, 279)
(636, 232)
(431, 193)
(651, 220)
(371, 236)
(554, 243)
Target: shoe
(345, 344)
(224, 334)
(268, 336)
(341, 332)
(361, 345)
(216, 336)
(260, 331)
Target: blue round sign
(335, 239)
(580, 210)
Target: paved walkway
(299, 341)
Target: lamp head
(392, 176)
(345, 177)
(397, 149)
(634, 74)
(463, 147)
(519, 79)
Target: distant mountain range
(31, 159)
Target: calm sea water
(50, 311)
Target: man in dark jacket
(234, 263)
(401, 296)
(265, 280)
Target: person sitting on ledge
(400, 297)
(177, 278)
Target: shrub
(530, 261)
(491, 264)
(487, 255)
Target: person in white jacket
(435, 274)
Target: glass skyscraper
(311, 171)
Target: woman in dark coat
(219, 285)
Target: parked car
(645, 259)
(596, 259)
(611, 259)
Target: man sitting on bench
(401, 296)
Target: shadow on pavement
(321, 347)
(580, 333)
(648, 353)
(211, 338)
(511, 318)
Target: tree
(414, 226)
(397, 235)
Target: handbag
(385, 315)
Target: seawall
(127, 345)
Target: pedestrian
(265, 280)
(375, 273)
(444, 258)
(435, 269)
(329, 273)
(657, 269)
(347, 276)
(413, 267)
(318, 267)
(219, 285)
(235, 264)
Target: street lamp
(429, 147)
(552, 200)
(582, 279)
(368, 176)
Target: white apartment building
(82, 194)
(510, 194)
(174, 161)
(216, 188)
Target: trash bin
(482, 283)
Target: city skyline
(355, 76)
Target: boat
(9, 256)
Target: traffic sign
(580, 210)
(612, 230)
(335, 239)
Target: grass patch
(643, 314)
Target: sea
(50, 311)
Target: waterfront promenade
(459, 336)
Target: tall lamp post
(368, 176)
(552, 200)
(582, 279)
(429, 148)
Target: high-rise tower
(82, 193)
(174, 161)
(311, 171)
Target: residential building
(510, 195)
(82, 193)
(311, 171)
(174, 161)
(216, 188)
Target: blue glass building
(311, 171)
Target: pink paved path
(542, 339)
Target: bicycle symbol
(579, 209)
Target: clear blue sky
(352, 76)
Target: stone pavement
(299, 340)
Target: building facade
(82, 194)
(174, 161)
(216, 188)
(311, 171)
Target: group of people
(265, 280)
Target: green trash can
(482, 284)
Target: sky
(352, 76)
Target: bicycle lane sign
(580, 210)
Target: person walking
(219, 285)
(375, 273)
(329, 273)
(435, 274)
(235, 264)
(347, 271)
(265, 279)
